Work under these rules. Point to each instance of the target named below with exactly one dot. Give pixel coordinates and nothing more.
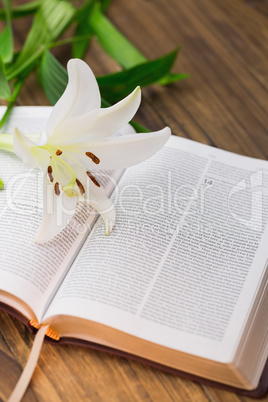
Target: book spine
(49, 332)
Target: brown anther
(57, 188)
(95, 181)
(93, 157)
(80, 186)
(58, 152)
(49, 172)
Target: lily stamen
(57, 188)
(80, 186)
(69, 188)
(49, 172)
(90, 175)
(92, 178)
(93, 157)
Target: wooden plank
(222, 100)
(260, 5)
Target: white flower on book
(78, 140)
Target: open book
(181, 280)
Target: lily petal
(81, 95)
(127, 129)
(97, 199)
(57, 212)
(104, 206)
(43, 137)
(122, 152)
(22, 148)
(98, 124)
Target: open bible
(180, 283)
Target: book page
(30, 271)
(188, 240)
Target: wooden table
(224, 103)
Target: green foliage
(52, 77)
(51, 19)
(17, 87)
(6, 37)
(83, 28)
(116, 86)
(139, 128)
(105, 4)
(79, 48)
(23, 10)
(5, 92)
(120, 49)
(112, 41)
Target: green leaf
(5, 92)
(83, 28)
(105, 4)
(79, 48)
(22, 70)
(23, 10)
(171, 77)
(112, 41)
(138, 127)
(105, 103)
(6, 45)
(6, 37)
(114, 87)
(17, 88)
(52, 77)
(51, 19)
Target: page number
(208, 182)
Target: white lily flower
(79, 139)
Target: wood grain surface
(224, 103)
